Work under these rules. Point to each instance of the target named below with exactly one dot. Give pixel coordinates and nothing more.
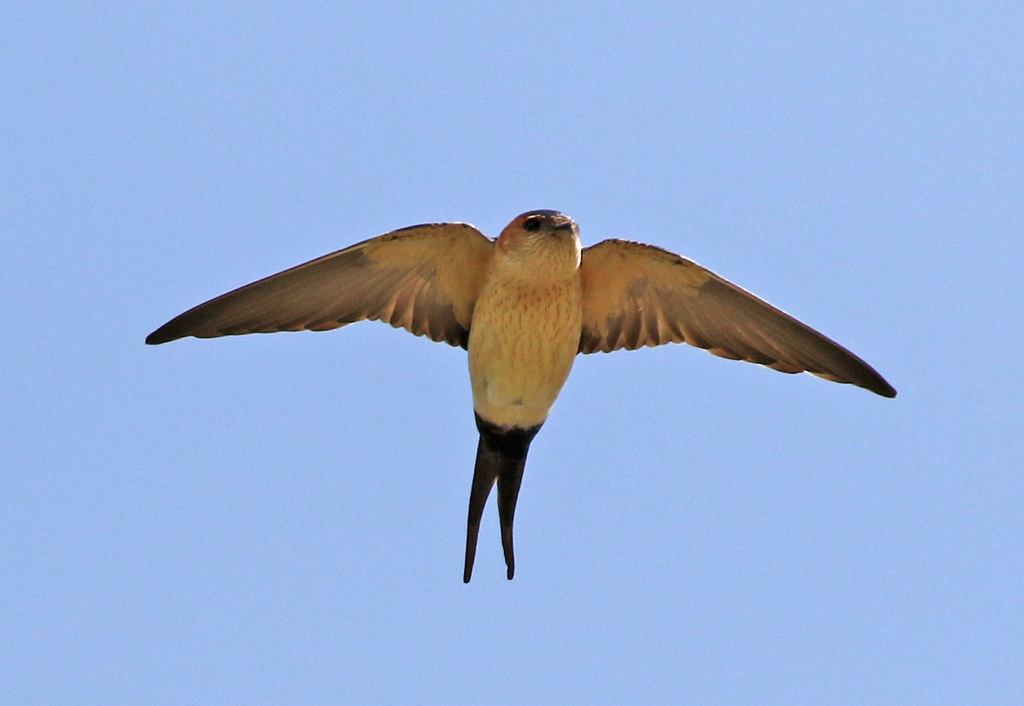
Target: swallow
(523, 306)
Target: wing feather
(424, 279)
(638, 295)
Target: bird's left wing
(424, 279)
(637, 295)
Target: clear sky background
(280, 519)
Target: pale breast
(522, 343)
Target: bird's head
(542, 240)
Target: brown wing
(637, 295)
(424, 279)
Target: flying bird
(523, 306)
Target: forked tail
(501, 458)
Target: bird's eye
(532, 224)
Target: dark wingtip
(880, 387)
(171, 331)
(156, 338)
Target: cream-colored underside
(522, 343)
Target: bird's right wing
(424, 279)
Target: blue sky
(280, 519)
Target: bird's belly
(522, 344)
